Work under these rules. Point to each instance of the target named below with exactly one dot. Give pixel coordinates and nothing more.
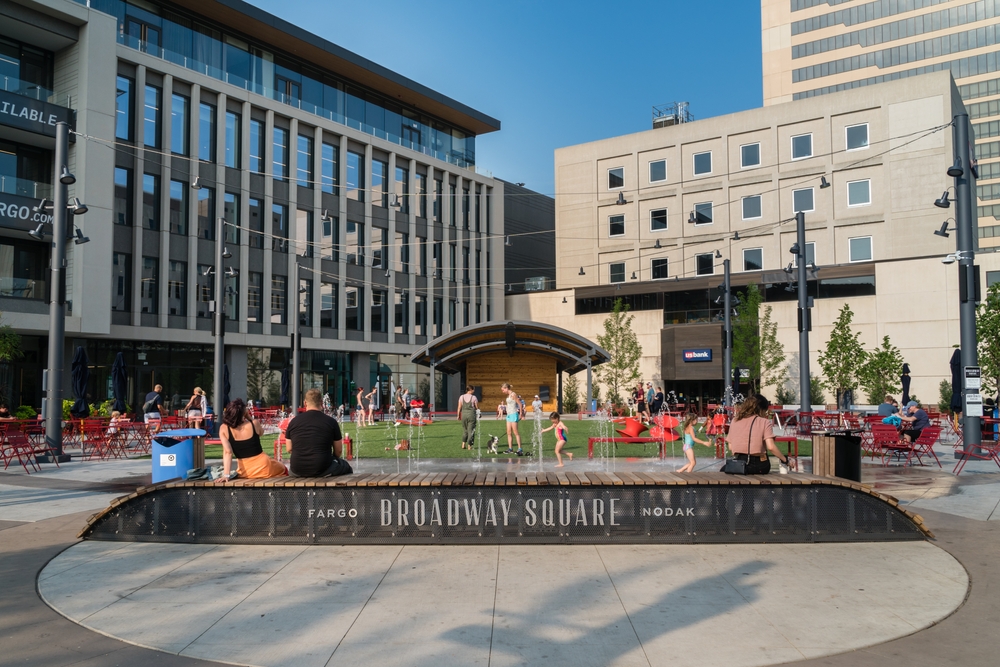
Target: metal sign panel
(973, 377)
(33, 115)
(698, 354)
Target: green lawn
(443, 439)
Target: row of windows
(987, 151)
(993, 231)
(806, 4)
(870, 11)
(856, 137)
(992, 211)
(972, 91)
(900, 55)
(983, 109)
(990, 170)
(960, 68)
(203, 48)
(988, 192)
(859, 250)
(803, 199)
(889, 32)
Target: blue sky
(554, 72)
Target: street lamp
(727, 342)
(805, 318)
(219, 315)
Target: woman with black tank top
(240, 435)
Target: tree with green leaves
(746, 334)
(879, 375)
(843, 356)
(10, 350)
(773, 371)
(622, 345)
(258, 374)
(988, 333)
(571, 394)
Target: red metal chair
(15, 445)
(989, 450)
(885, 440)
(925, 445)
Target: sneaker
(509, 451)
(520, 452)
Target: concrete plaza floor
(923, 603)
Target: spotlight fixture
(823, 183)
(396, 203)
(42, 206)
(943, 231)
(231, 272)
(225, 253)
(302, 289)
(582, 272)
(813, 268)
(520, 185)
(719, 300)
(657, 246)
(788, 269)
(507, 242)
(564, 300)
(942, 201)
(387, 273)
(197, 183)
(618, 286)
(692, 219)
(67, 178)
(955, 170)
(718, 255)
(790, 287)
(736, 237)
(949, 259)
(80, 238)
(37, 232)
(209, 270)
(326, 216)
(621, 199)
(634, 276)
(794, 249)
(79, 208)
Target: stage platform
(509, 508)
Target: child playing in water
(561, 434)
(689, 439)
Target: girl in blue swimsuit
(690, 438)
(561, 434)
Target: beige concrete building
(816, 47)
(650, 217)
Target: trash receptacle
(174, 453)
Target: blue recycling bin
(173, 453)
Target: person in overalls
(467, 407)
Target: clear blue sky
(554, 72)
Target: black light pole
(296, 368)
(221, 254)
(727, 343)
(805, 321)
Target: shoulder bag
(736, 466)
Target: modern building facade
(530, 244)
(815, 47)
(322, 164)
(650, 217)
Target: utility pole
(296, 370)
(220, 318)
(727, 343)
(805, 321)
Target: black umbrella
(956, 381)
(119, 383)
(226, 386)
(285, 386)
(906, 383)
(80, 376)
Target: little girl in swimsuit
(561, 434)
(689, 439)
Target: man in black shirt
(153, 404)
(315, 442)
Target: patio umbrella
(285, 386)
(119, 383)
(80, 377)
(906, 383)
(226, 387)
(956, 381)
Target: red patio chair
(989, 450)
(16, 446)
(925, 444)
(885, 440)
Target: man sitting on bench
(315, 442)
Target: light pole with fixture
(727, 341)
(219, 322)
(805, 320)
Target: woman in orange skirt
(240, 435)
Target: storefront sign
(32, 115)
(701, 354)
(17, 212)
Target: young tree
(880, 373)
(988, 332)
(747, 351)
(10, 350)
(843, 356)
(571, 394)
(773, 371)
(258, 374)
(816, 396)
(622, 344)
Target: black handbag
(736, 466)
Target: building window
(256, 146)
(453, 263)
(355, 176)
(179, 106)
(452, 319)
(279, 227)
(355, 241)
(380, 192)
(420, 316)
(206, 213)
(658, 220)
(422, 267)
(280, 161)
(279, 298)
(438, 199)
(751, 207)
(151, 201)
(616, 178)
(178, 207)
(705, 264)
(438, 316)
(149, 291)
(859, 193)
(206, 290)
(860, 249)
(438, 256)
(802, 200)
(234, 126)
(328, 305)
(749, 156)
(857, 136)
(453, 200)
(403, 189)
(703, 214)
(24, 269)
(151, 117)
(304, 162)
(328, 166)
(378, 321)
(206, 132)
(401, 318)
(402, 262)
(465, 208)
(255, 225)
(303, 233)
(616, 225)
(802, 146)
(230, 300)
(231, 214)
(616, 272)
(479, 264)
(303, 300)
(810, 254)
(753, 259)
(658, 268)
(121, 280)
(124, 104)
(380, 242)
(421, 192)
(255, 296)
(177, 288)
(703, 163)
(992, 277)
(331, 238)
(657, 171)
(352, 297)
(123, 196)
(466, 269)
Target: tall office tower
(815, 47)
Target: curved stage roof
(569, 349)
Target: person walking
(687, 428)
(152, 407)
(371, 405)
(196, 408)
(359, 415)
(561, 436)
(468, 405)
(514, 406)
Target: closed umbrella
(226, 387)
(285, 386)
(956, 381)
(119, 383)
(906, 383)
(80, 376)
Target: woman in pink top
(751, 432)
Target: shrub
(25, 412)
(944, 392)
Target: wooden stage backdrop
(526, 371)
